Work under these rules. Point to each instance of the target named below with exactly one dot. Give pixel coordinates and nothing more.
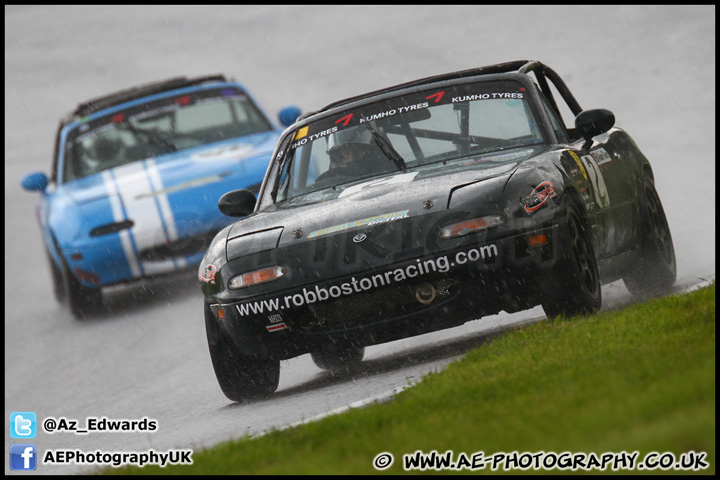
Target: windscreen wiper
(154, 138)
(386, 147)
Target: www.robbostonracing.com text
(420, 268)
(508, 461)
(74, 456)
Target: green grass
(640, 379)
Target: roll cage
(542, 74)
(544, 78)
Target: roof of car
(106, 101)
(519, 66)
(134, 93)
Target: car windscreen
(442, 126)
(162, 126)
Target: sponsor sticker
(208, 273)
(301, 133)
(539, 196)
(276, 327)
(384, 218)
(197, 182)
(601, 156)
(231, 151)
(484, 254)
(579, 163)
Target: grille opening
(354, 309)
(111, 228)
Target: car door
(610, 181)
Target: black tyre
(83, 301)
(338, 357)
(57, 279)
(576, 286)
(655, 271)
(241, 377)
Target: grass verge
(637, 380)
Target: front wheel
(576, 289)
(82, 300)
(241, 377)
(57, 280)
(656, 270)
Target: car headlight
(465, 227)
(256, 277)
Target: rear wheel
(338, 357)
(576, 289)
(82, 300)
(241, 377)
(655, 271)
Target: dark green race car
(422, 206)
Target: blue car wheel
(82, 300)
(57, 280)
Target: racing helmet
(356, 138)
(105, 148)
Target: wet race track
(147, 356)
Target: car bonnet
(371, 202)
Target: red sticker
(345, 120)
(208, 274)
(539, 196)
(438, 96)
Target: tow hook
(425, 293)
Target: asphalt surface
(653, 66)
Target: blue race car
(136, 178)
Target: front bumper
(405, 299)
(114, 259)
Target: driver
(351, 152)
(105, 148)
(98, 154)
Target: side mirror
(288, 115)
(34, 182)
(237, 203)
(590, 123)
